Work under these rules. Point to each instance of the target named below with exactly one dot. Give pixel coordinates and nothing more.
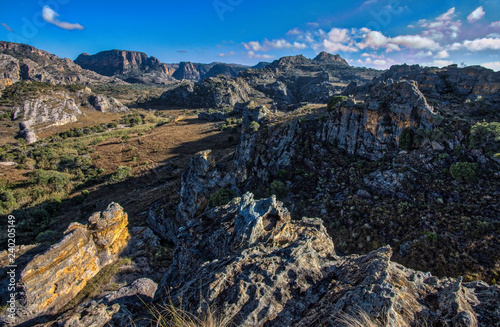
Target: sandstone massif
(24, 62)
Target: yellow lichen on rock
(50, 280)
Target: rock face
(50, 280)
(285, 83)
(250, 260)
(24, 62)
(329, 58)
(214, 92)
(105, 103)
(374, 129)
(55, 110)
(199, 180)
(125, 64)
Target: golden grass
(168, 315)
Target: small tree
(464, 171)
(336, 99)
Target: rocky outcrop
(125, 64)
(54, 109)
(114, 309)
(105, 103)
(199, 180)
(27, 133)
(258, 267)
(325, 57)
(215, 92)
(51, 279)
(286, 83)
(190, 71)
(468, 82)
(24, 62)
(374, 129)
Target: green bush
(121, 174)
(464, 171)
(279, 189)
(46, 236)
(336, 99)
(7, 201)
(406, 139)
(54, 180)
(254, 126)
(220, 197)
(487, 136)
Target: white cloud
(253, 55)
(416, 42)
(283, 44)
(447, 15)
(492, 65)
(253, 46)
(442, 55)
(50, 15)
(338, 39)
(441, 63)
(476, 15)
(495, 24)
(226, 54)
(379, 62)
(294, 31)
(7, 27)
(313, 24)
(422, 54)
(482, 44)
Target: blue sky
(371, 33)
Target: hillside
(306, 192)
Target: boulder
(51, 279)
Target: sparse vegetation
(220, 197)
(464, 171)
(334, 101)
(254, 126)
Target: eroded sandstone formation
(51, 279)
(374, 129)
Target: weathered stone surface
(374, 129)
(132, 66)
(107, 104)
(24, 62)
(50, 280)
(56, 109)
(199, 180)
(214, 92)
(260, 268)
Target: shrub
(406, 139)
(121, 174)
(487, 136)
(46, 236)
(254, 126)
(464, 171)
(54, 180)
(220, 197)
(336, 99)
(7, 201)
(279, 189)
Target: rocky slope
(24, 62)
(52, 278)
(283, 84)
(258, 267)
(36, 106)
